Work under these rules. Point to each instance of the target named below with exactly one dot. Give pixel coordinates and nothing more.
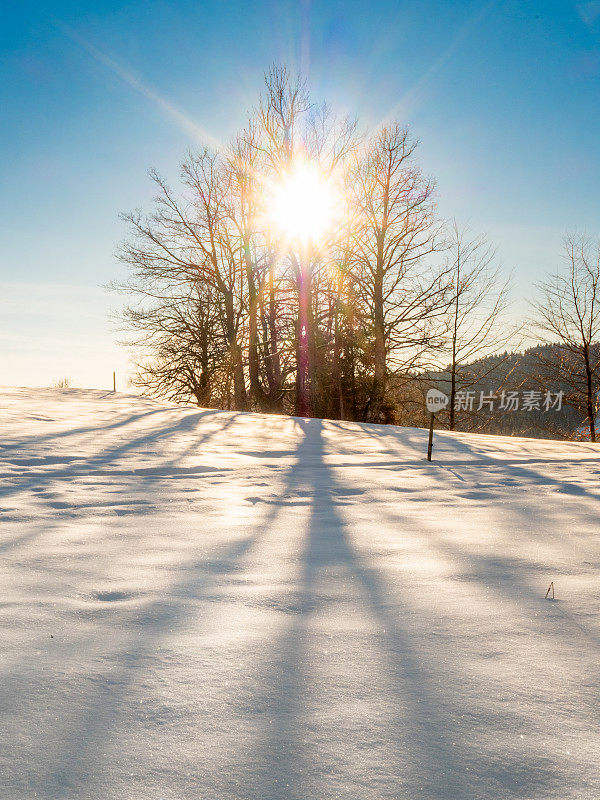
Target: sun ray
(201, 135)
(413, 96)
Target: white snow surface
(228, 606)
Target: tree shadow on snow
(72, 752)
(413, 745)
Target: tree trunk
(240, 399)
(452, 395)
(454, 344)
(257, 393)
(337, 391)
(379, 366)
(590, 405)
(274, 359)
(303, 408)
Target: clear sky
(504, 96)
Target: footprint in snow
(111, 596)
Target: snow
(217, 605)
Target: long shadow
(415, 438)
(330, 571)
(189, 595)
(427, 752)
(504, 574)
(119, 423)
(525, 472)
(100, 462)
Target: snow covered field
(225, 606)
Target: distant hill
(511, 372)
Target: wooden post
(430, 445)
(114, 381)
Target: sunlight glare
(304, 205)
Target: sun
(304, 205)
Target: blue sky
(504, 97)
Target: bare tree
(245, 213)
(568, 316)
(281, 120)
(395, 230)
(181, 353)
(220, 253)
(477, 327)
(292, 133)
(187, 243)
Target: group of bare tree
(568, 318)
(226, 311)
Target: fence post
(430, 445)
